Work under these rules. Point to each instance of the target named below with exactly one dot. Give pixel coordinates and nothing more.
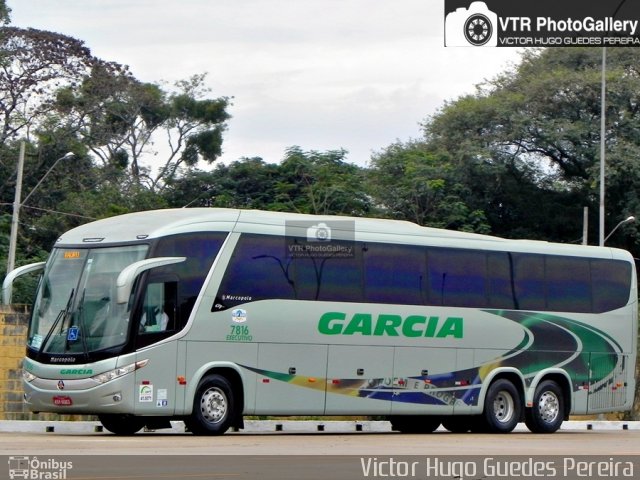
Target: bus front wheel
(547, 413)
(502, 407)
(213, 407)
(121, 424)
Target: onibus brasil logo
(34, 468)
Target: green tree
(539, 123)
(521, 196)
(321, 183)
(245, 183)
(5, 13)
(411, 182)
(307, 182)
(35, 65)
(125, 121)
(73, 191)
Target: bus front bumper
(80, 396)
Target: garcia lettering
(413, 326)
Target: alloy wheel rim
(549, 407)
(213, 405)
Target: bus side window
(611, 284)
(341, 280)
(331, 278)
(259, 270)
(201, 249)
(457, 278)
(500, 281)
(159, 308)
(529, 279)
(568, 284)
(394, 274)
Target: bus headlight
(28, 376)
(119, 372)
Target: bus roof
(159, 223)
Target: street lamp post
(11, 260)
(603, 111)
(17, 203)
(626, 220)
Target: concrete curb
(277, 426)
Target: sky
(319, 74)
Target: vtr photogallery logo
(475, 26)
(541, 23)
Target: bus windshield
(75, 310)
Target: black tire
(414, 423)
(502, 407)
(213, 407)
(121, 424)
(547, 413)
(458, 424)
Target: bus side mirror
(125, 280)
(7, 284)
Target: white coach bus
(210, 315)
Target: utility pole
(585, 226)
(603, 132)
(11, 261)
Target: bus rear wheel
(502, 407)
(121, 424)
(547, 413)
(213, 407)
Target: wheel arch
(559, 376)
(234, 376)
(512, 374)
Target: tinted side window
(332, 278)
(611, 284)
(200, 249)
(261, 268)
(500, 280)
(568, 284)
(258, 270)
(529, 281)
(158, 316)
(394, 274)
(457, 278)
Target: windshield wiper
(61, 317)
(83, 332)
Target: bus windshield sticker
(72, 335)
(36, 341)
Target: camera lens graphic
(322, 234)
(477, 29)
